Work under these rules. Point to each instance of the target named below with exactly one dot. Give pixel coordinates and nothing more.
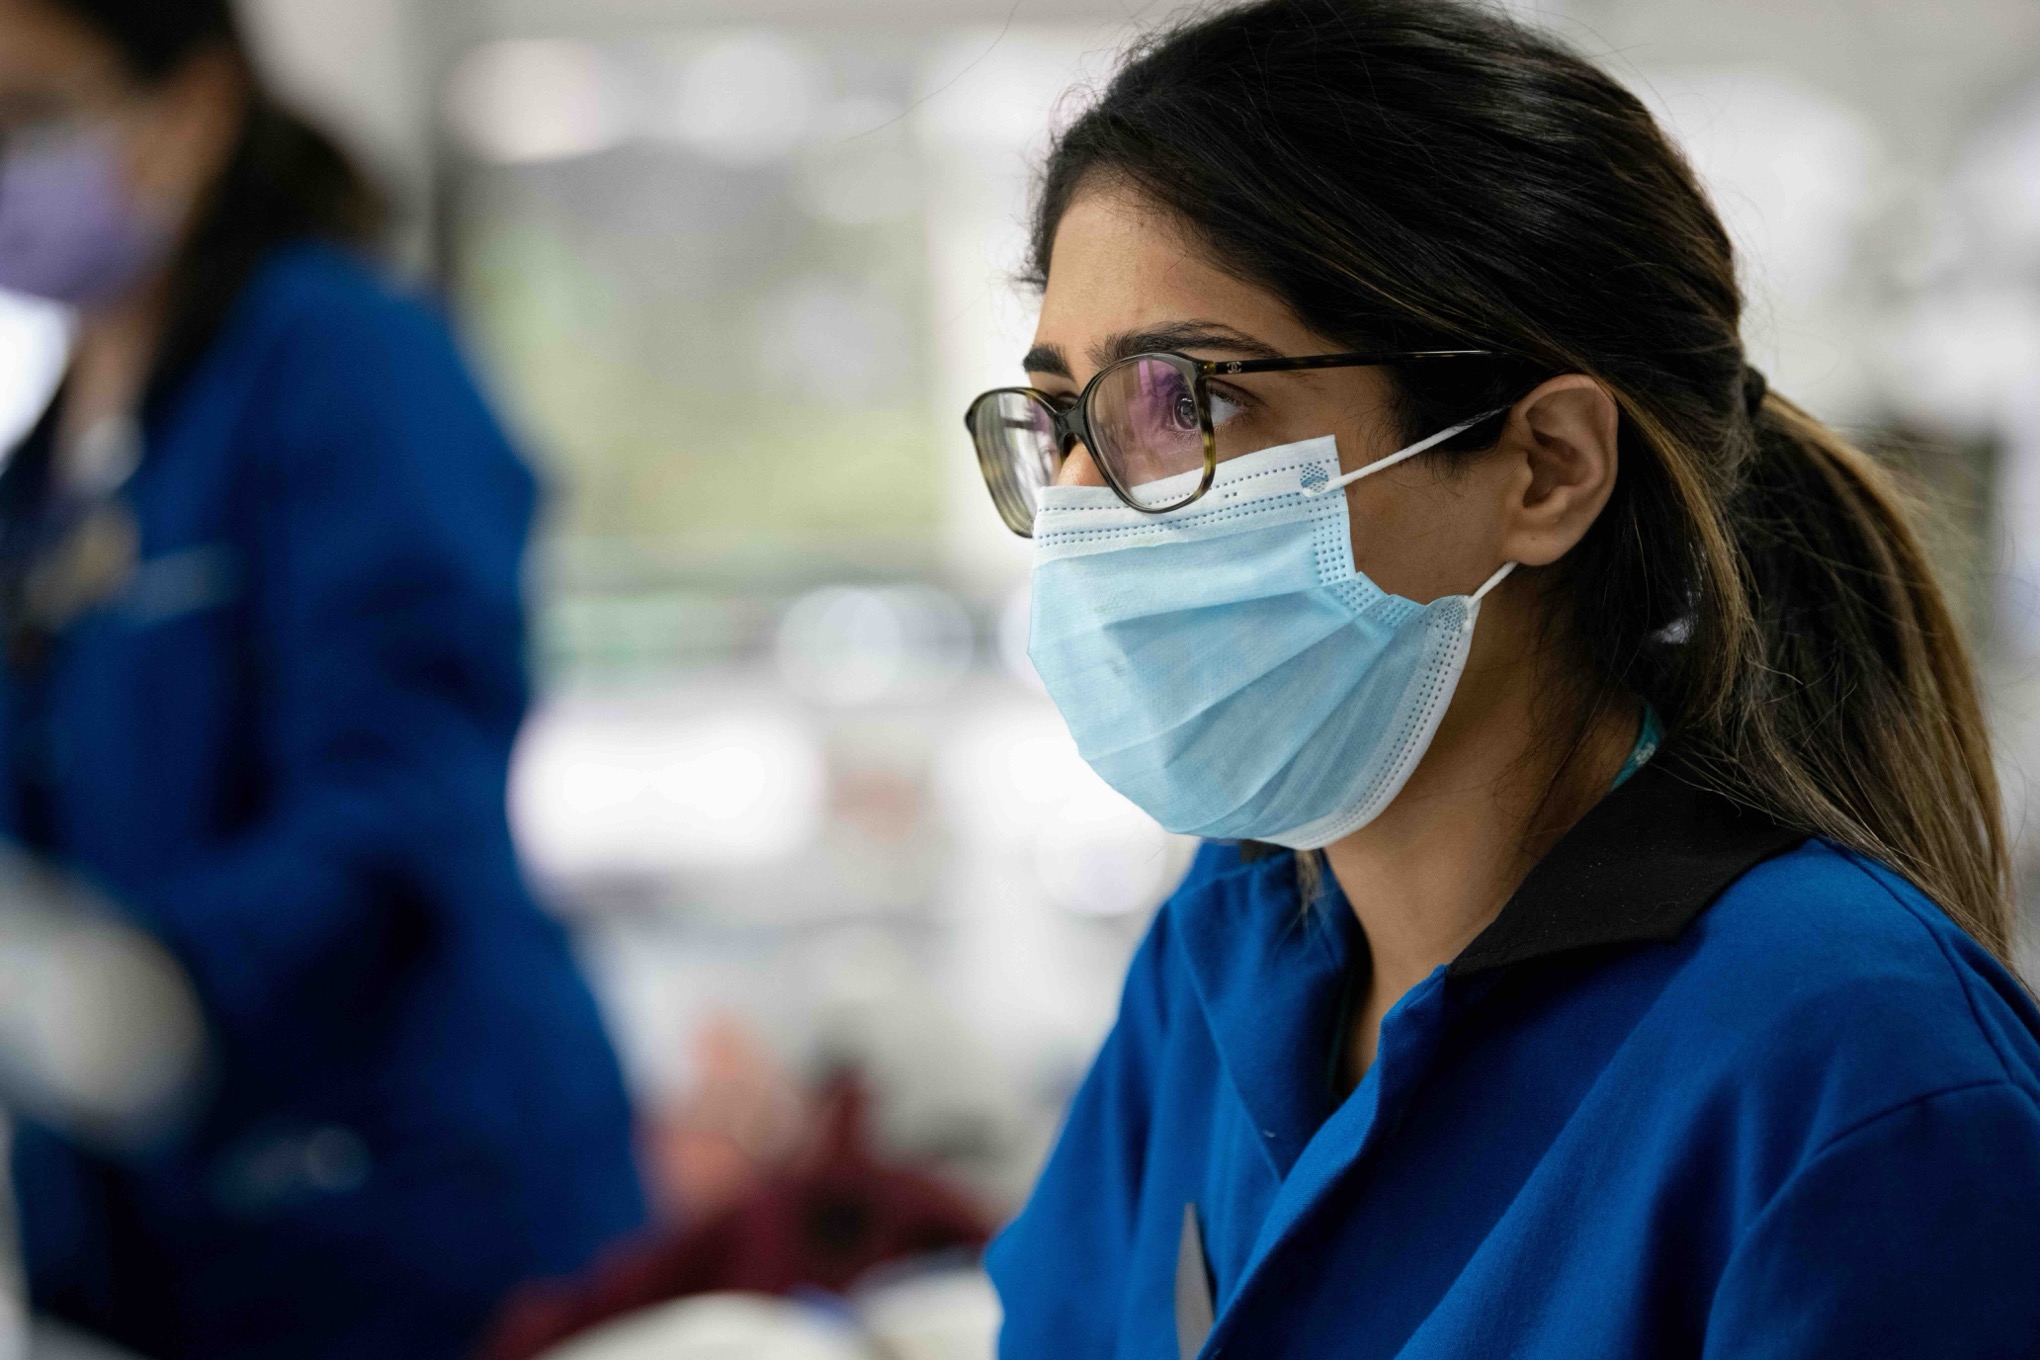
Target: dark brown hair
(286, 180)
(1425, 174)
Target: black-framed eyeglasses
(1152, 423)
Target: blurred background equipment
(99, 1030)
(734, 266)
(826, 1218)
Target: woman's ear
(1560, 441)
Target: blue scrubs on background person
(280, 740)
(260, 579)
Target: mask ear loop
(1473, 600)
(1402, 455)
(1493, 581)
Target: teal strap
(1650, 735)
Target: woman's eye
(1223, 408)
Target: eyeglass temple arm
(1403, 455)
(1212, 367)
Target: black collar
(1639, 867)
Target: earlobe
(1562, 440)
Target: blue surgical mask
(1226, 667)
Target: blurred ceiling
(1925, 71)
(592, 16)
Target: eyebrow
(1183, 335)
(1046, 359)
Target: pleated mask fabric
(1225, 666)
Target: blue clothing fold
(1705, 1089)
(284, 749)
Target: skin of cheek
(1422, 530)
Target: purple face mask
(69, 231)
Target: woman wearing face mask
(259, 566)
(1598, 949)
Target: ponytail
(1854, 710)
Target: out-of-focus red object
(746, 1115)
(830, 1215)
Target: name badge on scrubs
(88, 567)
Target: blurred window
(697, 264)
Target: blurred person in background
(1600, 943)
(259, 565)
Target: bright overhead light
(744, 99)
(1012, 782)
(35, 344)
(525, 100)
(845, 646)
(596, 793)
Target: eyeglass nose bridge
(1071, 429)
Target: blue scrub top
(283, 747)
(1705, 1088)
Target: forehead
(1122, 264)
(40, 44)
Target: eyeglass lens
(1017, 449)
(1146, 433)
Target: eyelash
(1226, 392)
